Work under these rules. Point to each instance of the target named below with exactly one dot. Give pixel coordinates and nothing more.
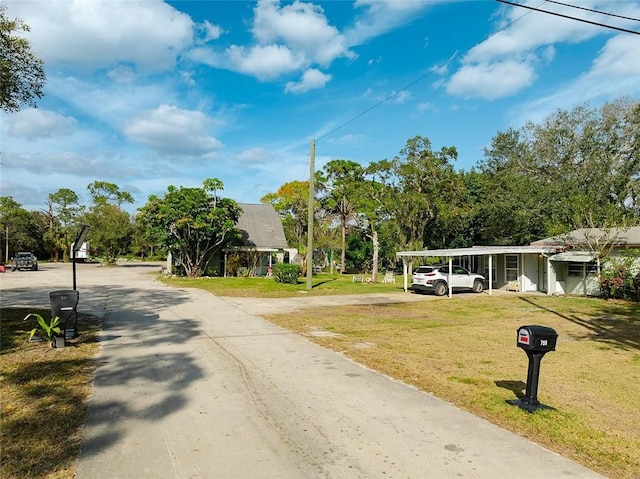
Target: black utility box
(537, 338)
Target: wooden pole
(310, 217)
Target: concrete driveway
(190, 385)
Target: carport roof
(478, 251)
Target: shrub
(621, 279)
(286, 273)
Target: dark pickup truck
(25, 261)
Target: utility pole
(312, 161)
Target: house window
(576, 269)
(582, 269)
(511, 267)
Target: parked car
(435, 279)
(25, 260)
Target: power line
(431, 72)
(570, 17)
(595, 11)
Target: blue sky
(145, 94)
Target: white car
(436, 278)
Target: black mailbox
(536, 341)
(537, 338)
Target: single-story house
(564, 264)
(574, 269)
(263, 239)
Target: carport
(527, 268)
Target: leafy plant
(621, 278)
(46, 331)
(286, 273)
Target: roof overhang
(574, 257)
(477, 251)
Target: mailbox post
(536, 341)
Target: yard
(465, 353)
(44, 393)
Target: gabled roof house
(262, 236)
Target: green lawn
(322, 284)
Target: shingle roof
(629, 237)
(261, 226)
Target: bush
(621, 279)
(286, 273)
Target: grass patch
(464, 352)
(323, 284)
(44, 394)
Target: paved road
(190, 385)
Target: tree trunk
(343, 258)
(376, 249)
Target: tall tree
(110, 232)
(374, 199)
(291, 202)
(576, 169)
(103, 192)
(62, 212)
(20, 230)
(111, 227)
(426, 182)
(193, 223)
(22, 76)
(337, 187)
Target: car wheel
(478, 287)
(440, 289)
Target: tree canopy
(22, 75)
(193, 223)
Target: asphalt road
(190, 385)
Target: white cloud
(350, 138)
(422, 107)
(401, 96)
(254, 156)
(381, 16)
(311, 79)
(122, 74)
(169, 130)
(491, 81)
(286, 39)
(32, 123)
(613, 74)
(97, 34)
(619, 58)
(524, 44)
(301, 26)
(211, 31)
(264, 61)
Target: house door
(530, 277)
(512, 267)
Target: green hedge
(286, 273)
